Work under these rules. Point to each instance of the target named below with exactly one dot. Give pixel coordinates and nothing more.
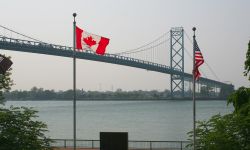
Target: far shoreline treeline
(36, 94)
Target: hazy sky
(223, 31)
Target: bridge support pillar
(177, 61)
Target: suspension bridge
(151, 56)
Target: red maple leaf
(89, 41)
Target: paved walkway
(99, 149)
(73, 149)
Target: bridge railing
(142, 145)
(34, 43)
(88, 51)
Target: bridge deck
(64, 51)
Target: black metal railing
(133, 145)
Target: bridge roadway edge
(63, 51)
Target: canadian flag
(88, 40)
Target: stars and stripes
(198, 60)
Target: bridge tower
(177, 60)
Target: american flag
(198, 60)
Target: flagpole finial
(194, 28)
(74, 15)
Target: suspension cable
(190, 40)
(145, 49)
(191, 58)
(20, 34)
(211, 70)
(135, 49)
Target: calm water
(143, 120)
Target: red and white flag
(87, 40)
(199, 60)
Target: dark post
(113, 140)
(5, 64)
(64, 143)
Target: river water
(143, 120)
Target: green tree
(240, 100)
(228, 132)
(231, 131)
(20, 131)
(19, 128)
(247, 62)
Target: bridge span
(65, 51)
(175, 70)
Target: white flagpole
(74, 81)
(194, 109)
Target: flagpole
(74, 81)
(194, 105)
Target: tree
(231, 131)
(19, 128)
(240, 100)
(20, 131)
(5, 83)
(247, 62)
